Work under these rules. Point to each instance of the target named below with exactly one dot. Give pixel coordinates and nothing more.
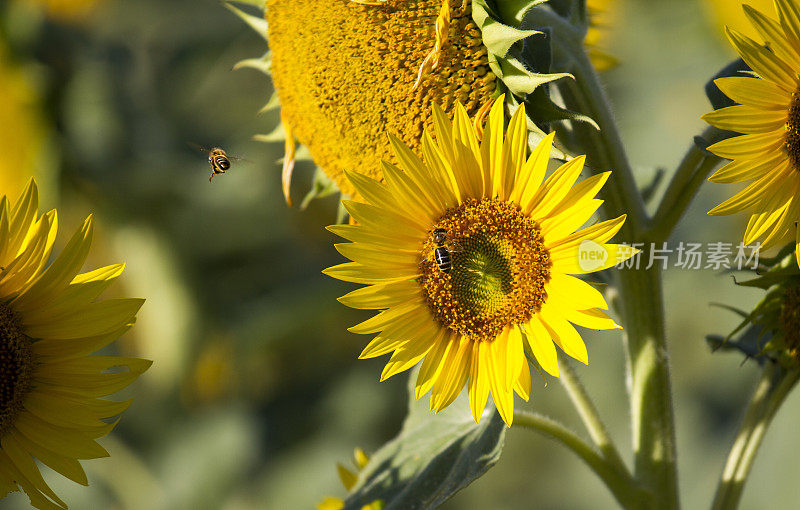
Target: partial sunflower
(768, 115)
(771, 331)
(470, 256)
(349, 71)
(50, 321)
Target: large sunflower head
(768, 116)
(50, 321)
(347, 72)
(469, 254)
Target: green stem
(653, 423)
(652, 417)
(605, 150)
(770, 393)
(620, 483)
(589, 415)
(690, 174)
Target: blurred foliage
(256, 390)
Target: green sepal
(433, 457)
(263, 64)
(274, 103)
(277, 135)
(545, 111)
(259, 24)
(321, 187)
(497, 37)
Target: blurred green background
(256, 391)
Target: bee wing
(198, 147)
(237, 158)
(455, 247)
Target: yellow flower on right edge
(768, 116)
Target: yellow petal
(746, 119)
(478, 381)
(94, 319)
(532, 173)
(541, 345)
(555, 188)
(563, 334)
(432, 366)
(743, 169)
(65, 466)
(753, 194)
(754, 92)
(762, 61)
(773, 34)
(382, 296)
(748, 145)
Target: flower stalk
(642, 307)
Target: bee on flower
(510, 289)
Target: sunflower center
(790, 319)
(494, 270)
(16, 367)
(792, 142)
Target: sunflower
(768, 115)
(469, 255)
(50, 322)
(325, 54)
(346, 72)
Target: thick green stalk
(640, 290)
(653, 423)
(770, 393)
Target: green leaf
(433, 457)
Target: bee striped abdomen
(442, 257)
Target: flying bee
(444, 249)
(219, 160)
